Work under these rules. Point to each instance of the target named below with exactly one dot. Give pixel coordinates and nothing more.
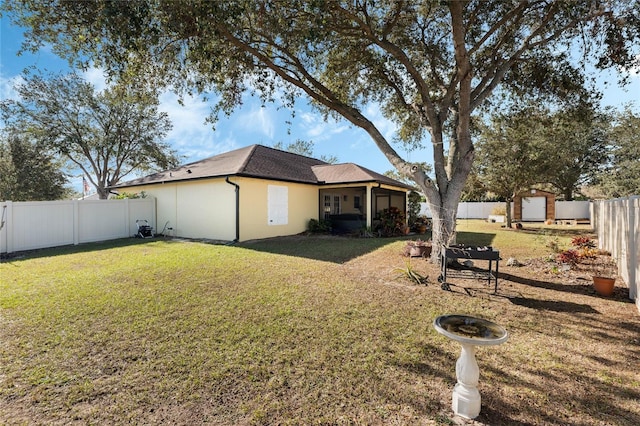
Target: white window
(278, 205)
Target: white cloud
(96, 77)
(317, 129)
(7, 87)
(387, 127)
(191, 136)
(258, 120)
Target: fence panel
(482, 210)
(572, 210)
(617, 223)
(41, 224)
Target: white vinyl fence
(617, 223)
(41, 224)
(477, 210)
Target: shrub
(321, 226)
(392, 222)
(570, 257)
(583, 242)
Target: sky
(193, 139)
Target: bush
(392, 222)
(321, 226)
(571, 257)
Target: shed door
(534, 209)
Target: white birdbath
(469, 332)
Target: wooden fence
(41, 224)
(617, 223)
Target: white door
(534, 209)
(331, 205)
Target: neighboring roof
(267, 163)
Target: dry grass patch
(190, 333)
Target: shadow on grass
(327, 248)
(552, 305)
(72, 249)
(620, 294)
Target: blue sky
(193, 139)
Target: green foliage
(130, 196)
(512, 154)
(304, 148)
(576, 137)
(298, 147)
(28, 172)
(321, 226)
(620, 177)
(415, 198)
(409, 273)
(392, 222)
(105, 134)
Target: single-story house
(260, 192)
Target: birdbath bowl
(469, 332)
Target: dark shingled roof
(267, 163)
(351, 173)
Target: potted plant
(604, 267)
(421, 224)
(417, 248)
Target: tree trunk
(507, 209)
(568, 194)
(103, 193)
(444, 226)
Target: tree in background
(304, 148)
(621, 176)
(512, 154)
(576, 139)
(107, 135)
(426, 65)
(28, 172)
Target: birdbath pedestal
(469, 332)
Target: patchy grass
(300, 330)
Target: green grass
(263, 333)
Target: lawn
(304, 330)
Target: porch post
(369, 205)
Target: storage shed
(534, 205)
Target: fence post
(632, 247)
(10, 226)
(76, 222)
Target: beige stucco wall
(254, 221)
(206, 208)
(194, 209)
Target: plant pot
(604, 285)
(420, 251)
(422, 229)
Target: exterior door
(534, 209)
(331, 205)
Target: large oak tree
(427, 64)
(107, 135)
